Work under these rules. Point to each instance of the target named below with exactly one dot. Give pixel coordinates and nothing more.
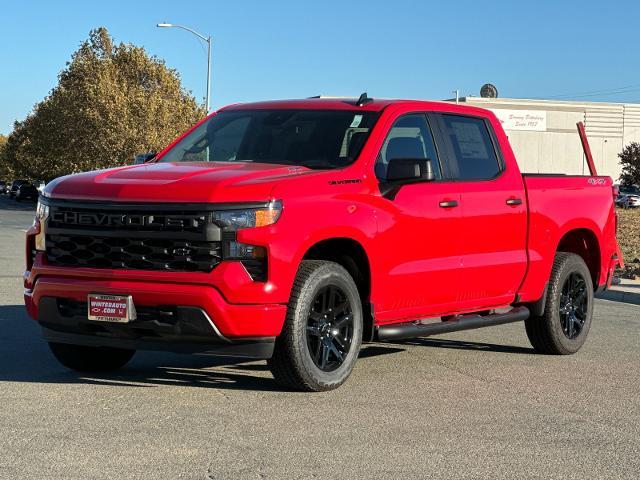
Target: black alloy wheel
(573, 305)
(330, 328)
(562, 327)
(321, 337)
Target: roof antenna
(363, 100)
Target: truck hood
(211, 182)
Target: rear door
(493, 212)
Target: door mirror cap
(406, 170)
(143, 157)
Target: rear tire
(322, 334)
(90, 359)
(563, 327)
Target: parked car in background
(39, 184)
(15, 185)
(3, 186)
(628, 196)
(28, 191)
(630, 201)
(143, 158)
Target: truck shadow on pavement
(26, 358)
(462, 345)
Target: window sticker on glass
(356, 121)
(470, 140)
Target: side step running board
(401, 331)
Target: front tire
(565, 323)
(91, 359)
(322, 334)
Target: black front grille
(132, 253)
(133, 238)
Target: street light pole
(209, 42)
(208, 71)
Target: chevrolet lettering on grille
(118, 219)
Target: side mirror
(407, 170)
(143, 157)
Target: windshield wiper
(315, 164)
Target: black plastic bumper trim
(192, 331)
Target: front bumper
(228, 329)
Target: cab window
(473, 151)
(409, 137)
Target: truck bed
(561, 203)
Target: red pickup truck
(295, 230)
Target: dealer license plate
(111, 308)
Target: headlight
(253, 257)
(250, 217)
(42, 213)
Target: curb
(620, 296)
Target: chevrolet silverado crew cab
(293, 231)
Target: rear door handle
(448, 203)
(514, 201)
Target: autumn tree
(111, 102)
(630, 162)
(6, 172)
(3, 165)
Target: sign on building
(534, 120)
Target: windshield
(310, 138)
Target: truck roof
(321, 103)
(340, 103)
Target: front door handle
(514, 201)
(448, 203)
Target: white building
(545, 139)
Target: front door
(418, 231)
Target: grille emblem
(131, 220)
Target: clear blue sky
(291, 49)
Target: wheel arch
(350, 254)
(580, 238)
(584, 243)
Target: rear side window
(409, 137)
(473, 149)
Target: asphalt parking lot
(476, 404)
